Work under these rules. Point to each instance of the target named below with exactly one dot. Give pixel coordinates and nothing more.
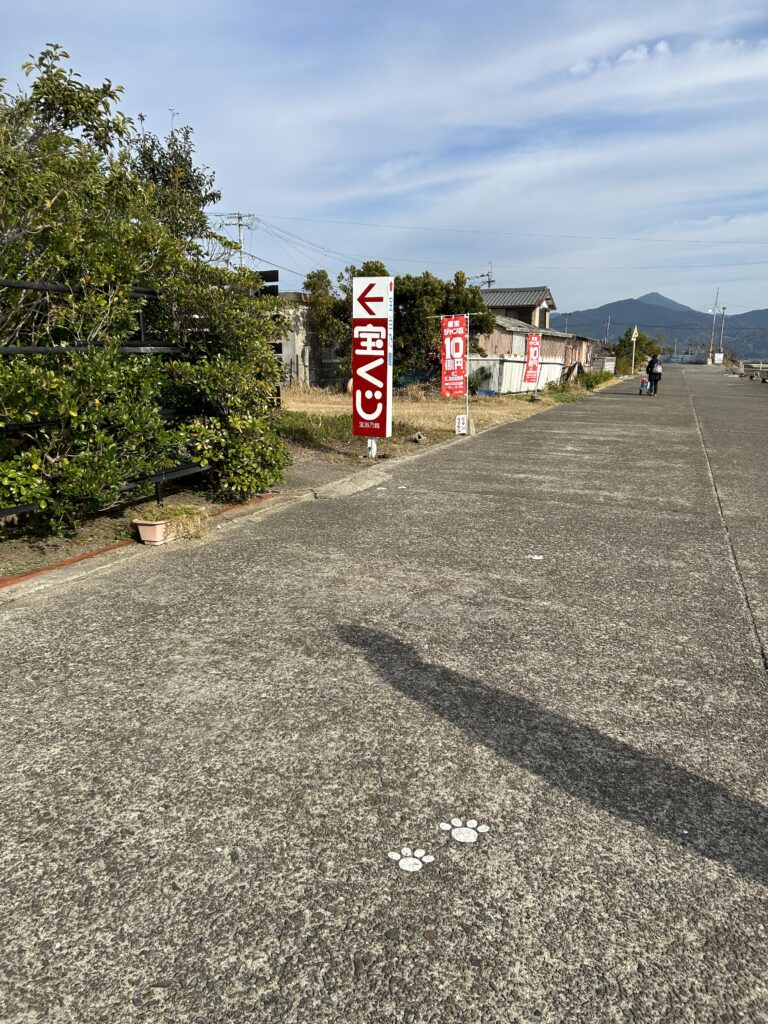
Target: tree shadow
(676, 804)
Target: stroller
(645, 386)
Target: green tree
(181, 191)
(328, 327)
(70, 211)
(419, 302)
(645, 347)
(92, 205)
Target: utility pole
(607, 330)
(240, 221)
(714, 316)
(487, 277)
(566, 322)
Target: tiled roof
(518, 296)
(521, 326)
(514, 325)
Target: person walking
(654, 370)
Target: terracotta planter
(152, 531)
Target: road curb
(69, 570)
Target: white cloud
(635, 55)
(617, 121)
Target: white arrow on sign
(370, 297)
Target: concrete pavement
(556, 629)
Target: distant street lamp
(714, 318)
(722, 328)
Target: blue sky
(604, 149)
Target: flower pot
(152, 531)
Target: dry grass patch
(425, 412)
(318, 423)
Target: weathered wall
(507, 373)
(296, 347)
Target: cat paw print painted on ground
(464, 833)
(411, 860)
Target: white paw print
(463, 833)
(411, 860)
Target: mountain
(745, 335)
(755, 318)
(655, 299)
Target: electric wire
(340, 256)
(515, 234)
(309, 249)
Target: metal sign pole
(466, 356)
(466, 373)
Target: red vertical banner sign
(532, 357)
(454, 332)
(373, 304)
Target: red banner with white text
(532, 357)
(454, 332)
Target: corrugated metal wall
(507, 373)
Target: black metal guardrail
(159, 478)
(162, 476)
(271, 287)
(47, 350)
(269, 277)
(66, 289)
(18, 510)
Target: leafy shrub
(23, 482)
(478, 379)
(591, 380)
(83, 427)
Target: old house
(530, 306)
(520, 312)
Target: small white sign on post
(461, 424)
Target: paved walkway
(556, 629)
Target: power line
(515, 234)
(271, 264)
(298, 241)
(658, 327)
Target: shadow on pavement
(676, 804)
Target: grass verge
(320, 421)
